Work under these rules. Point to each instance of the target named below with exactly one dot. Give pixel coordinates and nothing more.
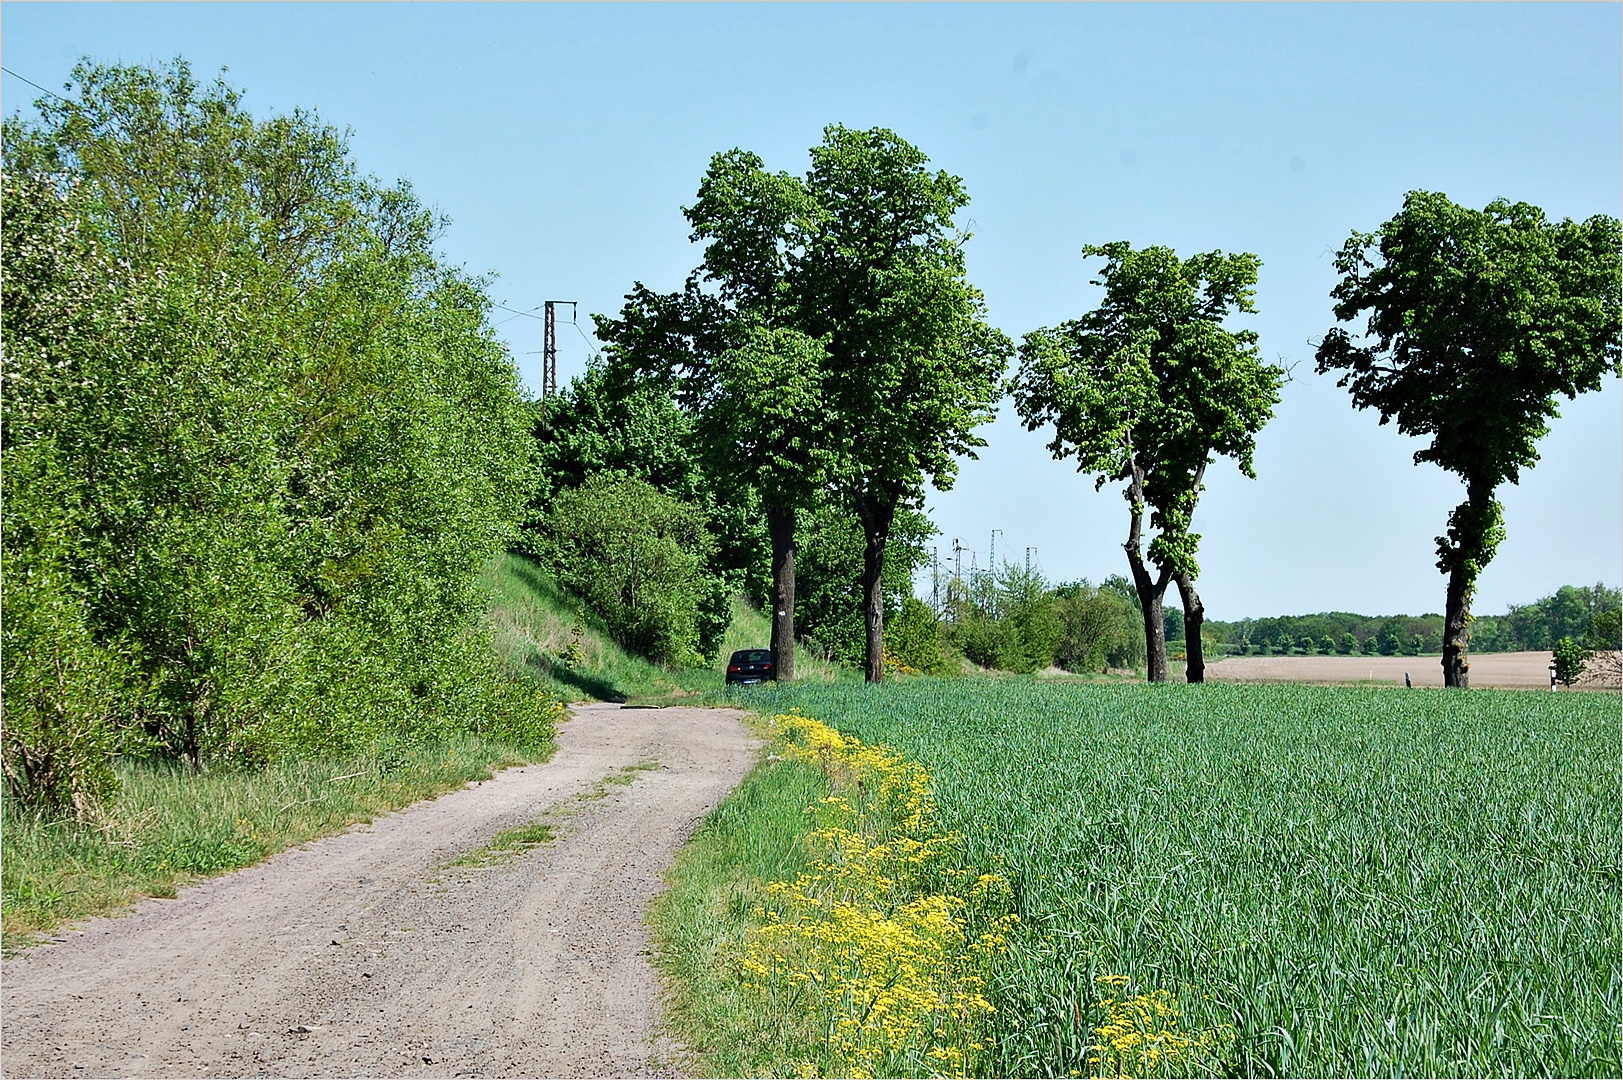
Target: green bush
(1570, 658)
(828, 576)
(914, 638)
(639, 558)
(259, 444)
(1605, 630)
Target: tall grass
(702, 924)
(1359, 881)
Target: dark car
(750, 666)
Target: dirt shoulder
(366, 954)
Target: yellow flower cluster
(869, 938)
(1139, 1035)
(895, 665)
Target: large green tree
(831, 341)
(914, 368)
(1474, 322)
(750, 378)
(1148, 388)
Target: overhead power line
(35, 85)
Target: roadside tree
(844, 295)
(1474, 322)
(1146, 389)
(913, 365)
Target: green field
(1360, 881)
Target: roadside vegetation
(259, 443)
(544, 633)
(1279, 880)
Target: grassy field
(1356, 881)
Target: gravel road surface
(365, 954)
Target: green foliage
(1032, 615)
(613, 419)
(914, 638)
(828, 596)
(841, 344)
(914, 366)
(1012, 621)
(258, 444)
(639, 558)
(1360, 881)
(1100, 629)
(1534, 627)
(1604, 630)
(1475, 321)
(1570, 658)
(1571, 611)
(1148, 387)
(607, 420)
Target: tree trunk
(780, 526)
(1475, 529)
(1150, 591)
(1456, 667)
(876, 521)
(1194, 617)
(1155, 631)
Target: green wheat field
(1358, 882)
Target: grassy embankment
(169, 826)
(1324, 881)
(536, 625)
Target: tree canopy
(845, 294)
(1148, 388)
(1474, 323)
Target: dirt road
(365, 954)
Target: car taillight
(732, 668)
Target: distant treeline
(1586, 614)
(1015, 621)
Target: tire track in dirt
(364, 954)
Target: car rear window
(753, 656)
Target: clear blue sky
(562, 140)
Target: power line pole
(935, 581)
(549, 346)
(991, 554)
(957, 561)
(1029, 550)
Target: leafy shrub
(1570, 658)
(828, 576)
(1605, 630)
(1098, 629)
(913, 637)
(258, 445)
(638, 557)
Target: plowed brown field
(1521, 670)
